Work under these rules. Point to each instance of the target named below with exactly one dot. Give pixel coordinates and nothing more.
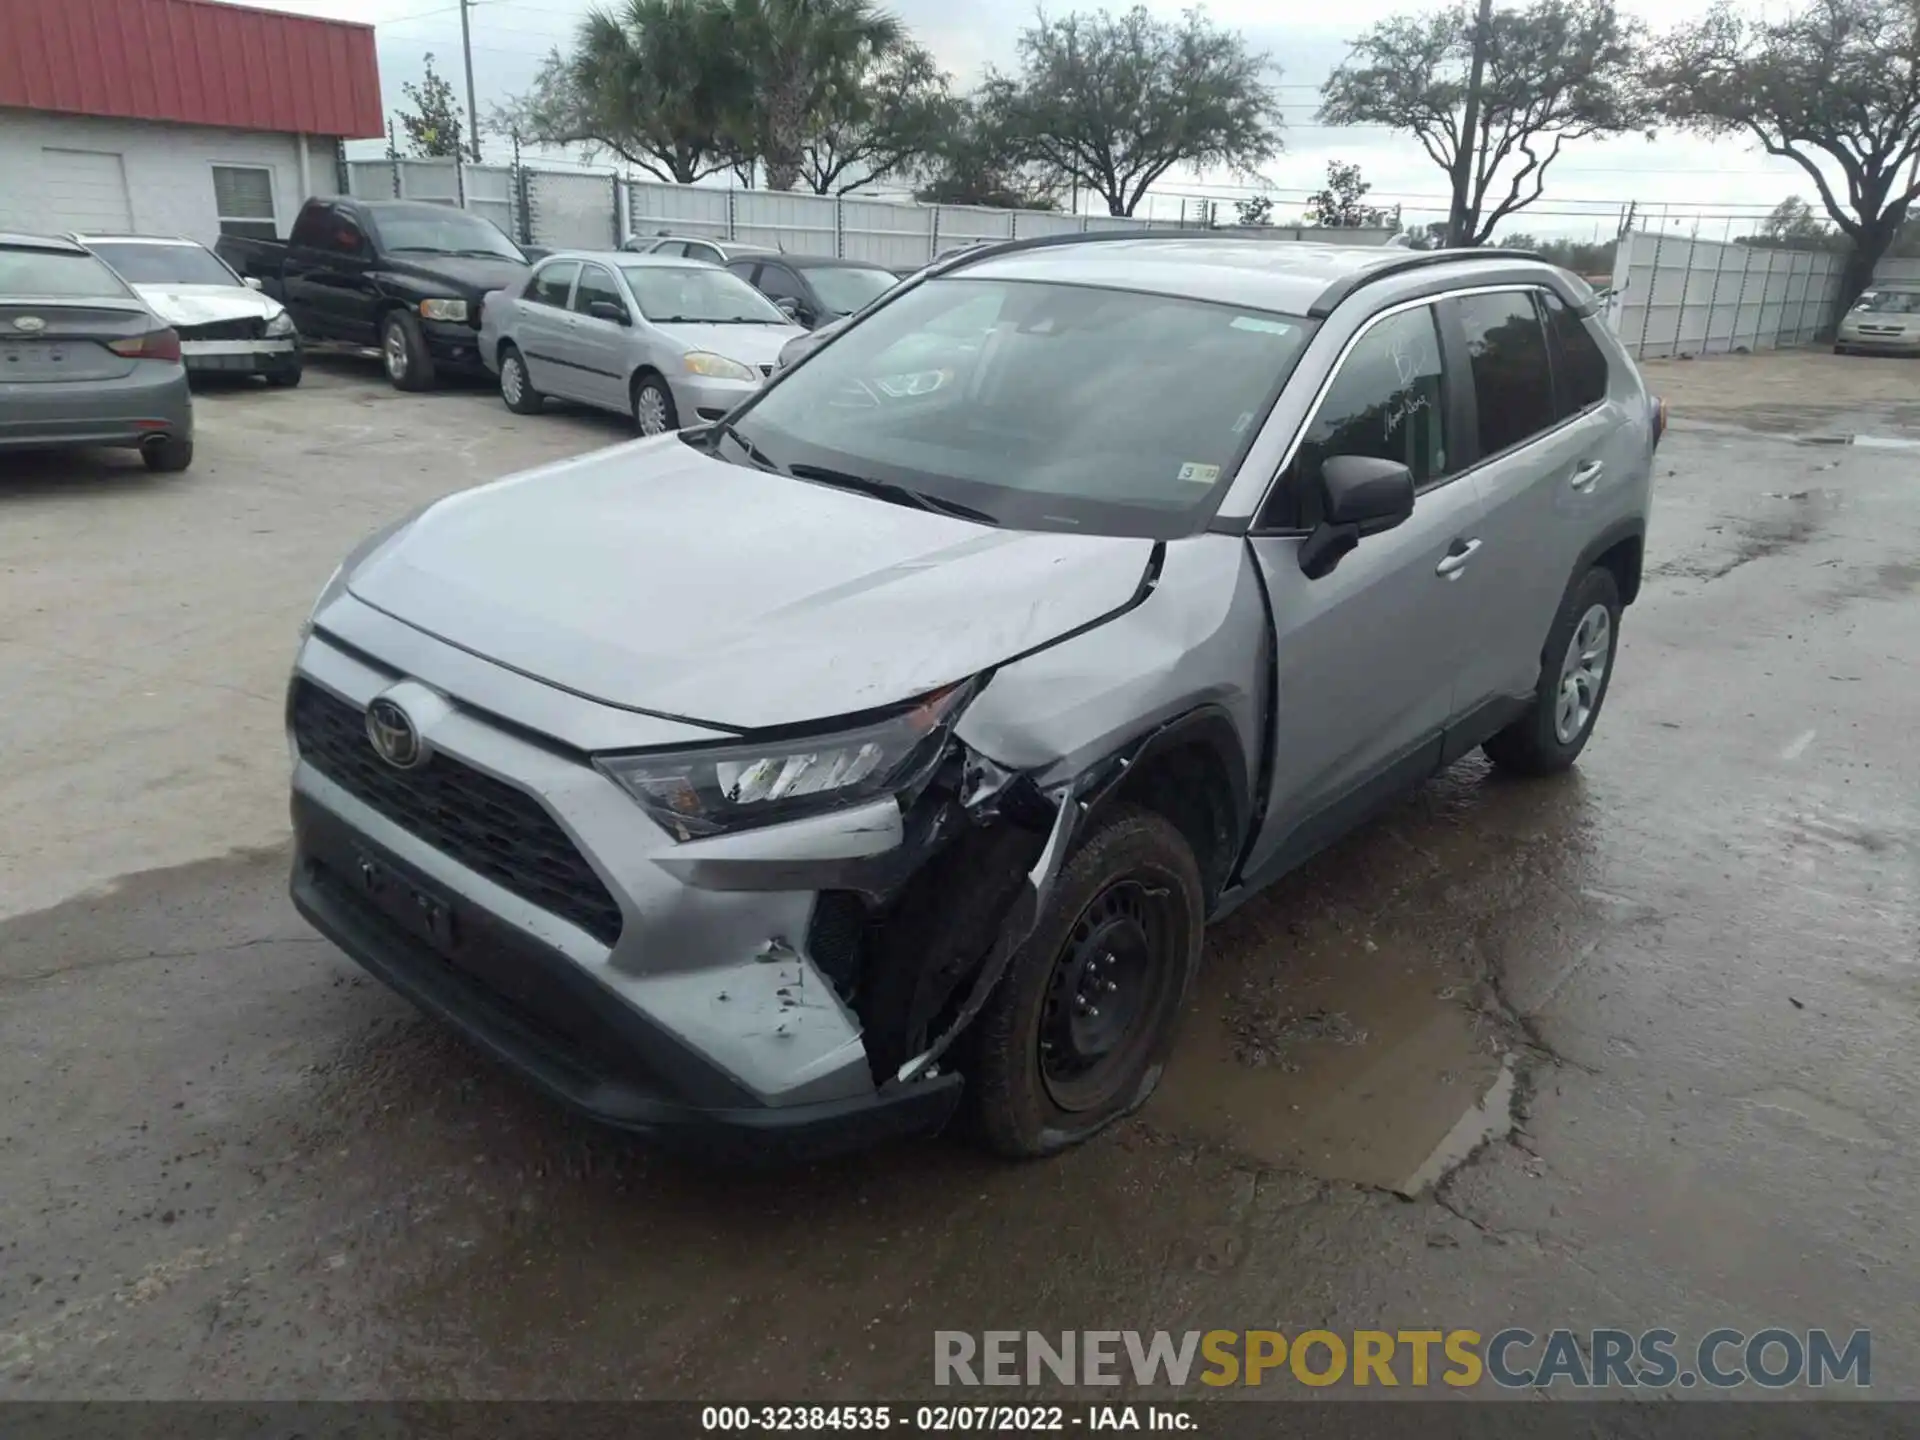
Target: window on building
(243, 201)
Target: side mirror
(1364, 496)
(788, 306)
(252, 282)
(607, 310)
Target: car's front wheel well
(1190, 783)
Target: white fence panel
(1677, 296)
(804, 224)
(970, 224)
(654, 206)
(886, 233)
(372, 179)
(1030, 223)
(429, 180)
(574, 212)
(490, 195)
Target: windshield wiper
(889, 491)
(759, 457)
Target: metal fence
(1674, 296)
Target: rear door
(543, 333)
(1368, 656)
(1542, 427)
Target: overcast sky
(1712, 181)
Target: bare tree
(1555, 71)
(1837, 81)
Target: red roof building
(174, 116)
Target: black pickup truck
(405, 276)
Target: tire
(286, 379)
(516, 386)
(403, 350)
(648, 418)
(1548, 738)
(1130, 897)
(167, 455)
(1841, 350)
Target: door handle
(1455, 560)
(1585, 473)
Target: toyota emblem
(393, 737)
(32, 324)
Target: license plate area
(418, 909)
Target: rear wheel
(403, 350)
(516, 388)
(1575, 671)
(167, 454)
(1080, 1028)
(653, 412)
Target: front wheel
(515, 386)
(653, 412)
(403, 350)
(1575, 670)
(1081, 1026)
(285, 379)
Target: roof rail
(1404, 261)
(1075, 237)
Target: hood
(749, 344)
(654, 577)
(468, 274)
(206, 304)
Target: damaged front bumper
(775, 994)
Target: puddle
(1489, 1119)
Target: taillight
(154, 345)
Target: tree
(796, 55)
(1115, 102)
(977, 162)
(1430, 236)
(1583, 257)
(1556, 71)
(1838, 81)
(1339, 203)
(881, 115)
(1792, 225)
(1255, 212)
(654, 83)
(433, 126)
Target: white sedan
(665, 340)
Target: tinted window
(781, 283)
(596, 285)
(550, 285)
(844, 289)
(310, 224)
(1385, 402)
(1512, 381)
(442, 230)
(744, 269)
(1047, 406)
(56, 275)
(1579, 364)
(164, 264)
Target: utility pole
(1468, 149)
(473, 111)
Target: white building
(185, 117)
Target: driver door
(1369, 655)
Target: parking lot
(1631, 1047)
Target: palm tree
(794, 52)
(656, 81)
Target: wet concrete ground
(1679, 986)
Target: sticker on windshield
(1262, 324)
(1199, 474)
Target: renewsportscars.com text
(1723, 1359)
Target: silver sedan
(665, 340)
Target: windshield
(1890, 302)
(441, 230)
(56, 274)
(1048, 407)
(165, 264)
(844, 289)
(689, 293)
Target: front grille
(503, 833)
(253, 329)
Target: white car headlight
(693, 793)
(280, 325)
(718, 367)
(443, 310)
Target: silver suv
(780, 785)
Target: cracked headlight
(718, 367)
(443, 310)
(715, 789)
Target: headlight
(281, 324)
(718, 367)
(709, 791)
(443, 309)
